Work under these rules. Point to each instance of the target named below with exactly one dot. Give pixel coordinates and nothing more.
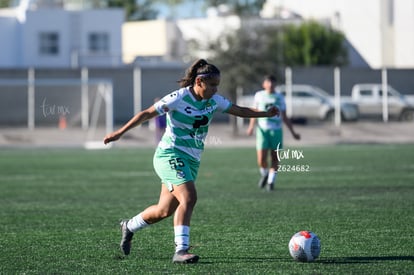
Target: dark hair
(199, 68)
(270, 77)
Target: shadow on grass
(341, 260)
(336, 260)
(364, 260)
(215, 260)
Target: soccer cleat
(126, 237)
(183, 257)
(263, 181)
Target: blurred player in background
(269, 132)
(189, 112)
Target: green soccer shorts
(175, 167)
(269, 139)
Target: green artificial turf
(60, 211)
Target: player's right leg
(186, 195)
(262, 163)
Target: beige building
(153, 38)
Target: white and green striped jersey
(263, 101)
(188, 120)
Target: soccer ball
(304, 246)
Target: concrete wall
(158, 81)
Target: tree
(313, 44)
(5, 3)
(241, 57)
(248, 54)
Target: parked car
(369, 98)
(313, 103)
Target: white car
(313, 103)
(369, 99)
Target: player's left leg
(276, 143)
(263, 166)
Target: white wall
(45, 21)
(360, 23)
(20, 38)
(404, 33)
(101, 20)
(9, 40)
(363, 24)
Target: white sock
(263, 171)
(272, 177)
(137, 223)
(181, 237)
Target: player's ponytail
(199, 68)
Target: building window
(49, 43)
(98, 42)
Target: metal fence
(135, 88)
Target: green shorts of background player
(267, 143)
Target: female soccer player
(189, 112)
(269, 135)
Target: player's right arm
(138, 119)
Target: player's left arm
(250, 129)
(246, 112)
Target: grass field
(60, 211)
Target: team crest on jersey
(180, 174)
(209, 108)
